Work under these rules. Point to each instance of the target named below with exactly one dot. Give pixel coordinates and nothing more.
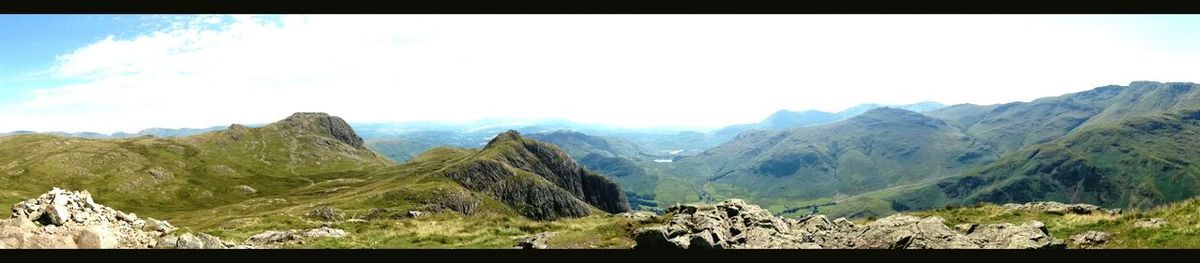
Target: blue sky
(126, 73)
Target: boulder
(1089, 239)
(537, 241)
(1150, 223)
(327, 213)
(736, 224)
(96, 237)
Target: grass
(1182, 230)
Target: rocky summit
(64, 219)
(67, 219)
(735, 224)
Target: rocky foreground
(736, 224)
(66, 219)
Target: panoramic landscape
(600, 132)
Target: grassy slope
(1182, 230)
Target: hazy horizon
(127, 73)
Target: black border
(602, 6)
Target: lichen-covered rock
(275, 238)
(537, 241)
(1089, 239)
(1061, 208)
(327, 213)
(736, 224)
(65, 219)
(1150, 223)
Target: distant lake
(662, 160)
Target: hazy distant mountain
(785, 119)
(1122, 146)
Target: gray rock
(57, 214)
(1090, 239)
(736, 224)
(537, 241)
(415, 213)
(189, 241)
(327, 213)
(96, 237)
(246, 189)
(1150, 223)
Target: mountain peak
(322, 123)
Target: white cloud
(636, 70)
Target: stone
(189, 241)
(272, 237)
(1089, 239)
(537, 241)
(167, 241)
(246, 189)
(57, 214)
(736, 224)
(327, 213)
(1150, 223)
(95, 238)
(415, 213)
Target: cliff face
(537, 179)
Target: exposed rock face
(1061, 208)
(332, 125)
(537, 179)
(1090, 239)
(294, 236)
(1150, 223)
(736, 224)
(63, 219)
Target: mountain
(537, 179)
(1140, 162)
(624, 162)
(785, 119)
(205, 170)
(1014, 125)
(877, 149)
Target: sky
(126, 73)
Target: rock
(189, 241)
(965, 228)
(736, 224)
(96, 237)
(1150, 223)
(57, 214)
(415, 213)
(167, 241)
(327, 213)
(1090, 239)
(294, 236)
(1029, 235)
(537, 241)
(163, 227)
(73, 220)
(246, 189)
(639, 216)
(1061, 208)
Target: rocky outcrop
(66, 219)
(537, 179)
(736, 224)
(272, 238)
(1061, 208)
(537, 241)
(1089, 239)
(327, 213)
(1150, 223)
(331, 125)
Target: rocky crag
(736, 224)
(538, 179)
(63, 219)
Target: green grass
(1182, 230)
